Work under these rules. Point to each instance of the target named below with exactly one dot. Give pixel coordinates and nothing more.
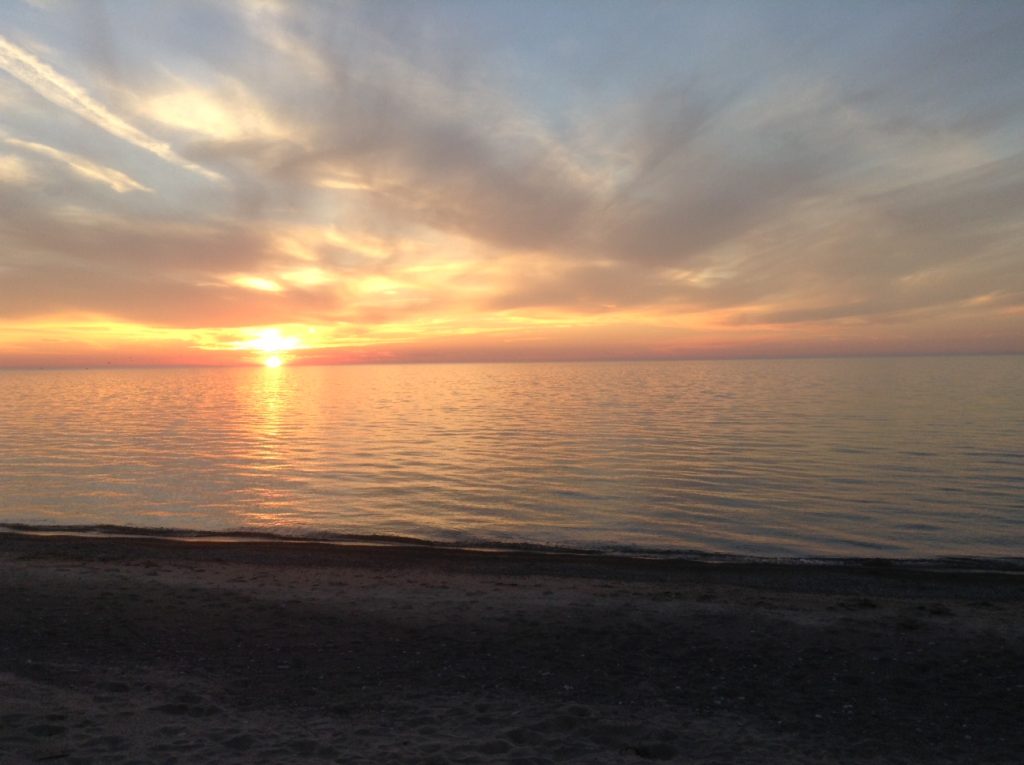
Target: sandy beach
(163, 651)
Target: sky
(328, 182)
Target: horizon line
(591, 360)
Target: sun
(269, 346)
(272, 341)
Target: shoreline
(1000, 564)
(152, 649)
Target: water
(912, 457)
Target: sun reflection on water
(271, 499)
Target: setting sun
(271, 340)
(269, 346)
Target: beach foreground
(163, 651)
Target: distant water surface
(896, 457)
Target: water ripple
(900, 457)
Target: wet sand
(163, 651)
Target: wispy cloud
(68, 94)
(231, 113)
(14, 169)
(114, 179)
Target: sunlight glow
(272, 341)
(273, 362)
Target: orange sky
(224, 184)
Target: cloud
(43, 289)
(14, 169)
(230, 114)
(109, 177)
(67, 94)
(140, 243)
(436, 170)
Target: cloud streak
(67, 94)
(109, 177)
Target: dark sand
(162, 651)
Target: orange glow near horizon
(444, 336)
(198, 215)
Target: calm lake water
(906, 457)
